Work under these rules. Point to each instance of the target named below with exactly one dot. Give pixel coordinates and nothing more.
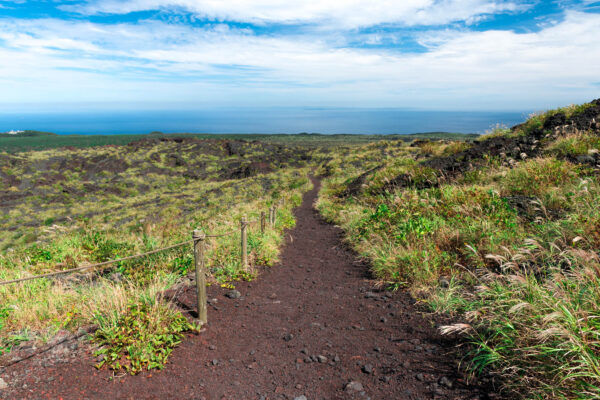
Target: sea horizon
(321, 120)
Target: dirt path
(307, 327)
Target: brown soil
(306, 327)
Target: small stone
(354, 387)
(304, 351)
(212, 347)
(298, 386)
(420, 377)
(385, 379)
(233, 294)
(367, 369)
(336, 358)
(215, 362)
(308, 360)
(3, 384)
(288, 336)
(322, 359)
(377, 349)
(300, 398)
(383, 319)
(444, 381)
(273, 296)
(371, 295)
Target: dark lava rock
(367, 369)
(355, 187)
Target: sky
(413, 54)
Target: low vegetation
(33, 140)
(503, 234)
(69, 208)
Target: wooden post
(271, 219)
(244, 246)
(262, 222)
(274, 215)
(199, 239)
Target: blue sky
(426, 54)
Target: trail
(306, 327)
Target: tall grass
(511, 252)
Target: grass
(14, 144)
(516, 247)
(78, 207)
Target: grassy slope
(64, 208)
(510, 247)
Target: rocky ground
(313, 327)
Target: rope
(68, 271)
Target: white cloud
(54, 60)
(339, 13)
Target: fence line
(104, 263)
(198, 240)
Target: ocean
(261, 120)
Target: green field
(13, 143)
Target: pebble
(288, 336)
(354, 387)
(321, 359)
(336, 358)
(3, 384)
(233, 294)
(367, 369)
(212, 347)
(444, 381)
(300, 398)
(215, 362)
(371, 295)
(420, 377)
(385, 379)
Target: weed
(142, 338)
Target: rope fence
(198, 240)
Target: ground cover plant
(501, 233)
(65, 208)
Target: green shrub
(143, 338)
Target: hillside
(502, 233)
(495, 237)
